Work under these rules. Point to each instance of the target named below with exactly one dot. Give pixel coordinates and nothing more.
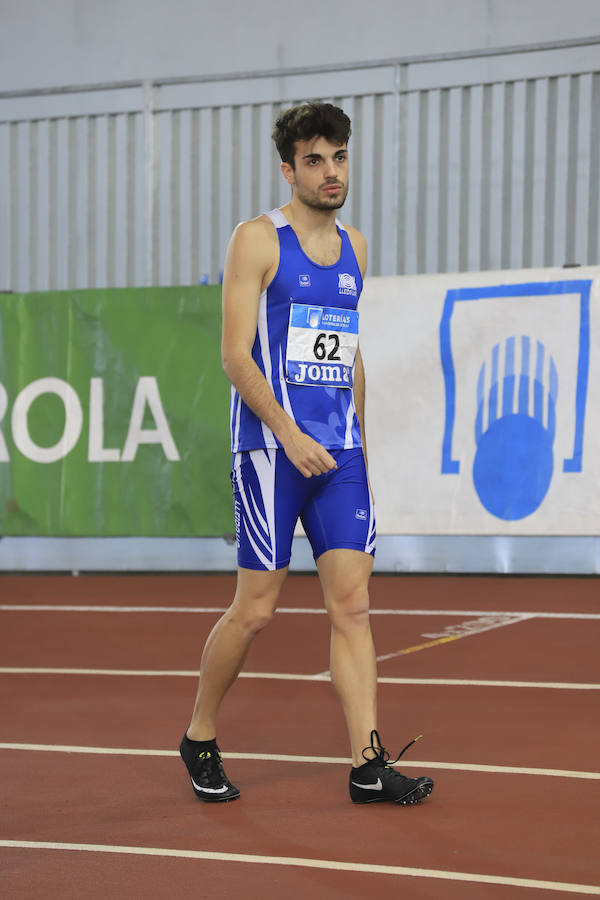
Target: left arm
(359, 245)
(359, 399)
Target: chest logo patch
(347, 284)
(304, 280)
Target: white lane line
(151, 673)
(62, 607)
(286, 758)
(308, 863)
(316, 610)
(290, 676)
(475, 682)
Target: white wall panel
(481, 176)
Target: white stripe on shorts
(370, 545)
(264, 465)
(249, 520)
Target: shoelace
(211, 767)
(382, 757)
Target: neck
(307, 219)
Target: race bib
(321, 345)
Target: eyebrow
(320, 155)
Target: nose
(330, 168)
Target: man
(291, 285)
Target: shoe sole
(223, 799)
(415, 796)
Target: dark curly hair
(309, 120)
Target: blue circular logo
(515, 428)
(513, 466)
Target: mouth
(332, 188)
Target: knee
(349, 609)
(258, 621)
(252, 618)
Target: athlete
(291, 286)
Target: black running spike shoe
(376, 781)
(209, 781)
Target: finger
(318, 463)
(321, 458)
(324, 461)
(328, 461)
(306, 468)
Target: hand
(309, 457)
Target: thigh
(340, 514)
(257, 592)
(344, 576)
(268, 494)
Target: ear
(288, 173)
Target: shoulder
(359, 245)
(254, 241)
(255, 234)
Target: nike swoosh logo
(370, 787)
(206, 790)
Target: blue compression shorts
(270, 495)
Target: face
(320, 177)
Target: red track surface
(506, 825)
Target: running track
(97, 678)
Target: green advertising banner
(114, 414)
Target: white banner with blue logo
(483, 402)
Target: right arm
(249, 258)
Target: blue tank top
(326, 413)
